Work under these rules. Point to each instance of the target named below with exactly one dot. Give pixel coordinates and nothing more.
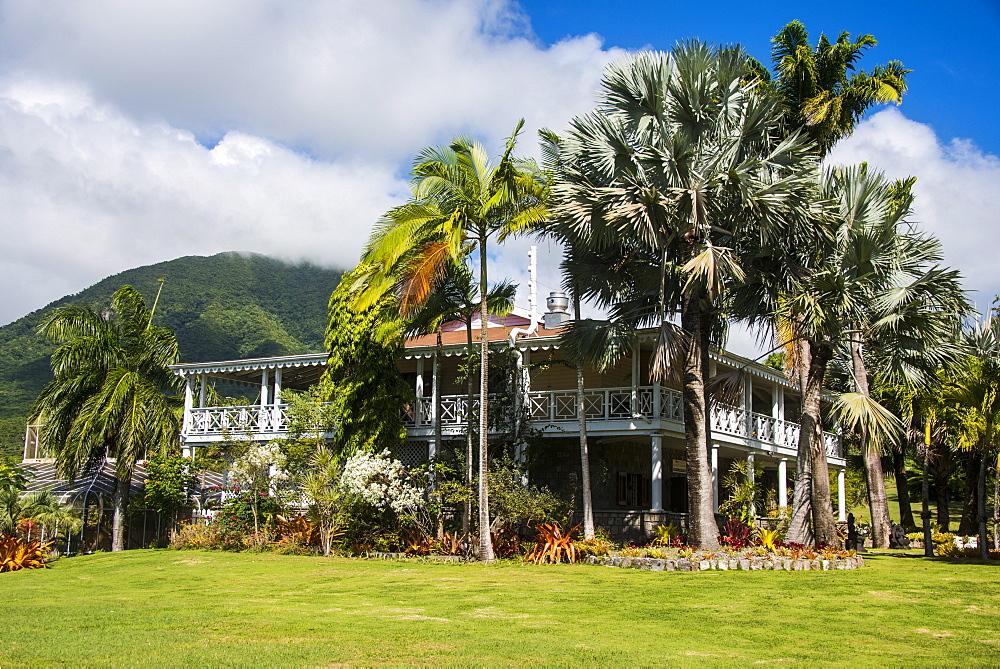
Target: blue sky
(953, 48)
(133, 132)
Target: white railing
(546, 407)
(237, 421)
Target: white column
(262, 416)
(635, 378)
(202, 390)
(841, 498)
(777, 401)
(715, 478)
(750, 463)
(419, 390)
(435, 383)
(188, 402)
(277, 424)
(656, 479)
(783, 483)
(748, 405)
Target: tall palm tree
(461, 201)
(975, 391)
(825, 96)
(871, 294)
(454, 298)
(681, 163)
(109, 398)
(820, 86)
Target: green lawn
(198, 608)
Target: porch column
(777, 401)
(188, 402)
(277, 423)
(435, 385)
(202, 390)
(261, 417)
(656, 479)
(750, 462)
(748, 406)
(841, 498)
(635, 378)
(419, 390)
(783, 483)
(715, 478)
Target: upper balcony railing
(544, 407)
(606, 404)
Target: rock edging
(776, 563)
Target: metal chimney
(557, 315)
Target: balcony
(552, 407)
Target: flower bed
(742, 561)
(728, 563)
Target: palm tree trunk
(485, 540)
(984, 546)
(812, 425)
(438, 433)
(970, 503)
(702, 529)
(877, 500)
(941, 456)
(469, 445)
(118, 517)
(581, 410)
(799, 529)
(902, 489)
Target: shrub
(16, 554)
(551, 545)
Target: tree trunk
(120, 506)
(925, 493)
(588, 503)
(984, 546)
(970, 503)
(702, 531)
(799, 528)
(469, 445)
(438, 433)
(941, 467)
(877, 499)
(485, 540)
(902, 489)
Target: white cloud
(87, 192)
(957, 193)
(355, 77)
(102, 104)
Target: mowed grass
(197, 608)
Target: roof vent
(556, 316)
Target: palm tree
(873, 295)
(825, 97)
(819, 86)
(108, 399)
(454, 298)
(975, 391)
(681, 163)
(461, 200)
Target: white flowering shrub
(260, 466)
(381, 481)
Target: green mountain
(221, 307)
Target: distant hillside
(220, 307)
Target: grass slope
(223, 609)
(220, 307)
